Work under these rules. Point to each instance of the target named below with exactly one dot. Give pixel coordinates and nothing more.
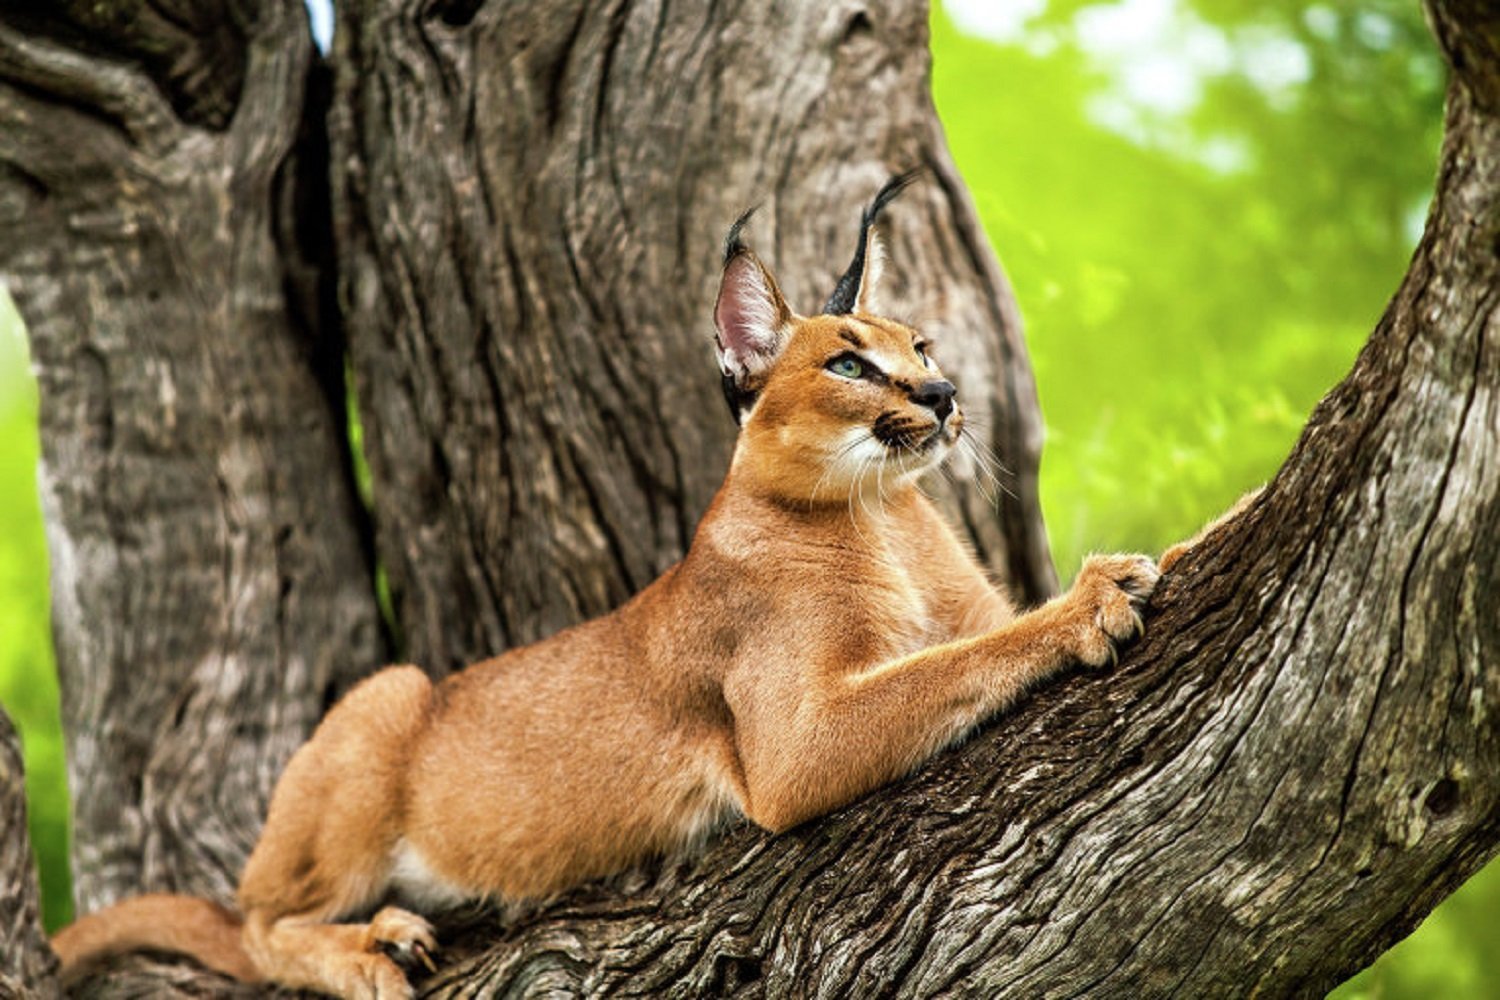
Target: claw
(420, 951)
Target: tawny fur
(196, 927)
(826, 633)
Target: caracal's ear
(752, 320)
(855, 291)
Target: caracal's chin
(861, 463)
(909, 463)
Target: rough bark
(1296, 764)
(27, 965)
(529, 202)
(211, 593)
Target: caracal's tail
(186, 925)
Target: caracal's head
(833, 404)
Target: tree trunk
(1294, 766)
(529, 201)
(211, 594)
(27, 965)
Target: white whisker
(986, 464)
(857, 486)
(984, 451)
(834, 461)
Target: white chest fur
(415, 882)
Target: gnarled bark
(27, 966)
(210, 589)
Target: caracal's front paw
(1169, 558)
(1107, 597)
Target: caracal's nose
(937, 395)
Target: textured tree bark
(1299, 760)
(529, 202)
(211, 592)
(27, 965)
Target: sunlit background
(1203, 206)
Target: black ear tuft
(733, 245)
(846, 292)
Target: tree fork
(1296, 763)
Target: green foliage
(1197, 265)
(28, 678)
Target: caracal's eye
(921, 350)
(846, 365)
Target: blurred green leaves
(1204, 208)
(28, 677)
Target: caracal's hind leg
(327, 848)
(348, 960)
